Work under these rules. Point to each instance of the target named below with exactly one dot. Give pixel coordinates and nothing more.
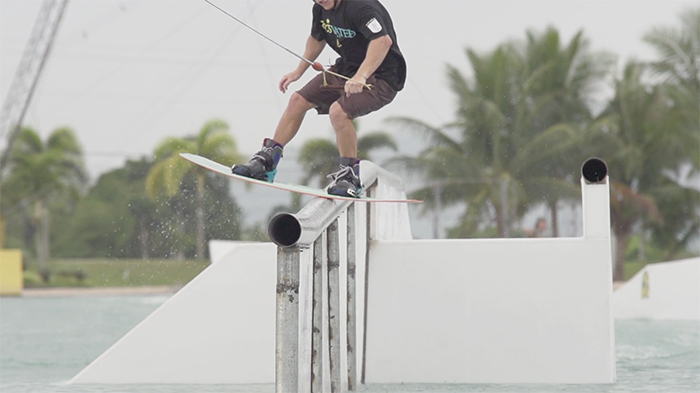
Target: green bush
(32, 279)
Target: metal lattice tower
(35, 54)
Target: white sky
(124, 74)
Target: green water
(44, 342)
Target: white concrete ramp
(669, 290)
(219, 329)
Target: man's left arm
(377, 50)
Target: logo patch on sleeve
(374, 26)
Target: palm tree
(561, 79)
(41, 173)
(467, 161)
(487, 158)
(678, 69)
(634, 137)
(679, 51)
(559, 89)
(488, 107)
(165, 178)
(513, 143)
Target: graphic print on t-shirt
(339, 32)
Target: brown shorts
(355, 105)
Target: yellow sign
(11, 276)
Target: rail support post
(334, 305)
(287, 323)
(351, 299)
(317, 318)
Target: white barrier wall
(495, 310)
(490, 311)
(669, 290)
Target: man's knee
(337, 114)
(299, 102)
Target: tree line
(528, 114)
(526, 120)
(159, 207)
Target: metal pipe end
(284, 230)
(594, 170)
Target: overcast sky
(125, 74)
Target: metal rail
(315, 228)
(326, 252)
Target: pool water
(44, 342)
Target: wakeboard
(317, 192)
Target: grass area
(116, 272)
(632, 267)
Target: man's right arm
(313, 49)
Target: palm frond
(545, 146)
(28, 142)
(374, 141)
(166, 176)
(173, 145)
(211, 127)
(221, 147)
(435, 135)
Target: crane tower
(35, 54)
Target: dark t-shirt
(349, 28)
